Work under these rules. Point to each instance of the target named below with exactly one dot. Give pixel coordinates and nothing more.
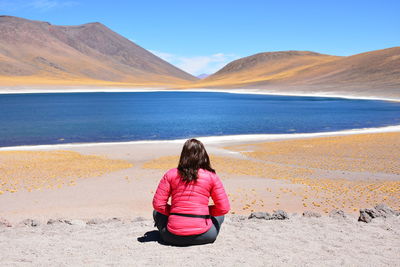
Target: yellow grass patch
(288, 161)
(375, 153)
(237, 167)
(69, 80)
(32, 170)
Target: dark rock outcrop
(381, 210)
(277, 215)
(260, 215)
(337, 214)
(384, 210)
(280, 215)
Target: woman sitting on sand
(189, 220)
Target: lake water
(30, 119)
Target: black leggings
(210, 236)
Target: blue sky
(202, 36)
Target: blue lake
(30, 119)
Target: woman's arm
(221, 202)
(160, 199)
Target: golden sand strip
(51, 169)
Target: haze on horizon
(202, 38)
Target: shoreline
(231, 91)
(295, 172)
(347, 172)
(209, 139)
(224, 139)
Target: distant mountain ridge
(269, 65)
(203, 75)
(373, 71)
(39, 53)
(90, 52)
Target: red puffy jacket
(190, 198)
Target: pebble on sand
(30, 222)
(4, 223)
(337, 214)
(76, 222)
(55, 221)
(260, 215)
(311, 214)
(95, 221)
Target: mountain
(375, 72)
(267, 66)
(203, 75)
(36, 52)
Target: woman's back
(190, 198)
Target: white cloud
(50, 4)
(41, 5)
(197, 65)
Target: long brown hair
(193, 157)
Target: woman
(189, 220)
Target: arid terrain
(371, 73)
(91, 204)
(297, 199)
(36, 54)
(319, 174)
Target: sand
(32, 170)
(298, 241)
(344, 172)
(118, 180)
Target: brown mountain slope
(375, 71)
(375, 68)
(268, 66)
(38, 52)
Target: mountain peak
(94, 24)
(89, 51)
(203, 76)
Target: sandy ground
(320, 174)
(298, 241)
(118, 180)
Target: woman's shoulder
(172, 172)
(204, 172)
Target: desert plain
(75, 197)
(346, 172)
